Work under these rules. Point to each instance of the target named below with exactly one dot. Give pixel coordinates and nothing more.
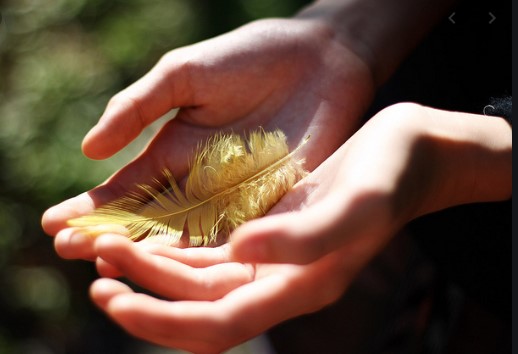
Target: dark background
(445, 284)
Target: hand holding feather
(275, 73)
(230, 181)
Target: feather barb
(231, 180)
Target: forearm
(472, 159)
(382, 32)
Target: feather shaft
(230, 181)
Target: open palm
(287, 74)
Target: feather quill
(231, 180)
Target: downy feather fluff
(231, 180)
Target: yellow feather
(230, 181)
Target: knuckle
(118, 99)
(130, 104)
(183, 70)
(179, 61)
(405, 107)
(207, 287)
(402, 111)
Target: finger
(194, 257)
(195, 326)
(151, 319)
(55, 218)
(141, 171)
(298, 237)
(197, 257)
(339, 208)
(213, 326)
(70, 244)
(175, 136)
(168, 277)
(165, 87)
(103, 290)
(307, 235)
(170, 149)
(106, 270)
(295, 228)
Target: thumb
(296, 237)
(163, 88)
(301, 237)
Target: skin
(237, 81)
(313, 74)
(421, 160)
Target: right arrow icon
(493, 18)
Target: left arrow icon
(451, 18)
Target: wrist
(438, 159)
(381, 33)
(472, 155)
(337, 28)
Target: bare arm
(381, 32)
(407, 161)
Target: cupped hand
(407, 161)
(209, 303)
(290, 74)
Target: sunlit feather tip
(231, 180)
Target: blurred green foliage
(60, 62)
